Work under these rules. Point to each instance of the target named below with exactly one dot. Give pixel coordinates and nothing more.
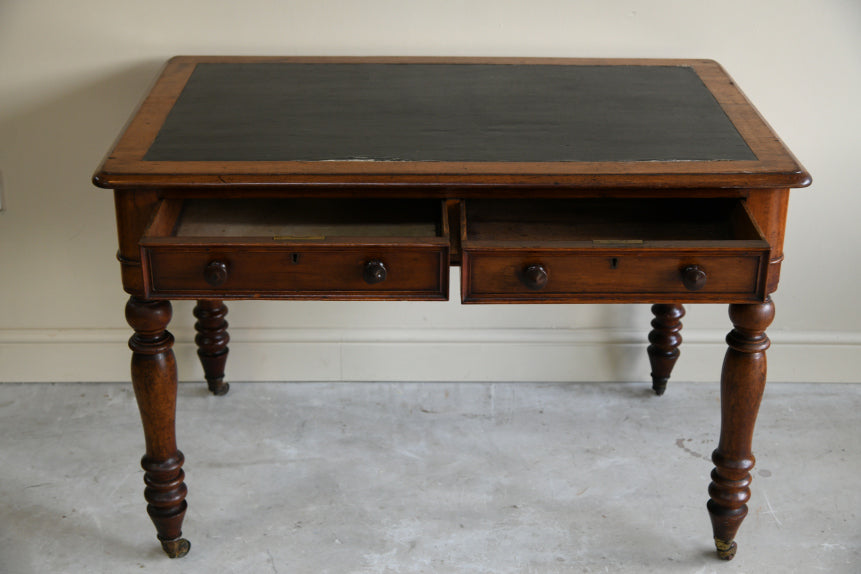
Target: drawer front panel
(553, 276)
(306, 272)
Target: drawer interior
(297, 248)
(298, 219)
(600, 222)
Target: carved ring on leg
(165, 492)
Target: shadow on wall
(49, 144)
(624, 360)
(57, 235)
(49, 150)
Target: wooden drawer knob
(694, 277)
(374, 272)
(534, 276)
(215, 273)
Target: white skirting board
(544, 355)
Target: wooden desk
(547, 181)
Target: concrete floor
(427, 477)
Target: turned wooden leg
(665, 340)
(212, 339)
(154, 380)
(742, 384)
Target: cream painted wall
(72, 72)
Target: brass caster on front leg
(725, 550)
(176, 548)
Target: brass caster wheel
(659, 385)
(176, 548)
(218, 388)
(726, 550)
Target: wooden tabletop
(574, 123)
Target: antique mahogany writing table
(547, 181)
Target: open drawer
(297, 249)
(626, 250)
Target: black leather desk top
(445, 112)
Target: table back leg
(664, 340)
(212, 339)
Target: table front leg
(664, 340)
(155, 386)
(742, 385)
(212, 339)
